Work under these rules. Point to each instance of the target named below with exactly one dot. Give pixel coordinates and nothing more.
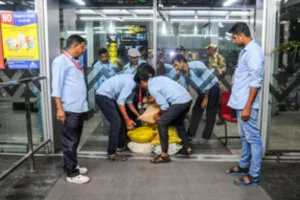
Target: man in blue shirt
(134, 62)
(70, 94)
(174, 102)
(245, 99)
(103, 69)
(111, 98)
(205, 83)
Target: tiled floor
(140, 180)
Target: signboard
(1, 52)
(134, 32)
(20, 39)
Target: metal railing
(30, 151)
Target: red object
(225, 110)
(77, 65)
(140, 95)
(7, 18)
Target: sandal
(160, 159)
(241, 171)
(250, 181)
(116, 157)
(184, 151)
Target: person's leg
(179, 124)
(168, 116)
(197, 113)
(252, 134)
(246, 148)
(211, 111)
(109, 109)
(69, 139)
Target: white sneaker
(82, 170)
(80, 179)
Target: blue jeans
(252, 145)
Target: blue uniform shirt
(172, 74)
(249, 73)
(69, 85)
(131, 70)
(106, 71)
(119, 88)
(166, 91)
(200, 78)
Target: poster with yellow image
(20, 39)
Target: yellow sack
(173, 137)
(141, 135)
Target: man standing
(216, 61)
(70, 95)
(180, 50)
(111, 97)
(245, 99)
(134, 62)
(205, 83)
(103, 69)
(174, 102)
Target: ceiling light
(189, 20)
(2, 3)
(80, 2)
(221, 25)
(198, 35)
(85, 11)
(220, 38)
(229, 2)
(100, 18)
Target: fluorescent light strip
(198, 35)
(100, 18)
(2, 3)
(189, 20)
(85, 11)
(229, 2)
(80, 2)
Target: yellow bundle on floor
(173, 137)
(142, 134)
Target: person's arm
(256, 70)
(125, 93)
(222, 64)
(205, 100)
(58, 74)
(129, 102)
(95, 73)
(161, 101)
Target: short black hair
(74, 39)
(160, 67)
(145, 67)
(141, 76)
(240, 28)
(102, 50)
(142, 48)
(179, 58)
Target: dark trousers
(117, 134)
(70, 137)
(211, 112)
(174, 115)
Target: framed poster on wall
(20, 39)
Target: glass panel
(116, 30)
(284, 80)
(13, 135)
(193, 27)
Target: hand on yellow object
(130, 124)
